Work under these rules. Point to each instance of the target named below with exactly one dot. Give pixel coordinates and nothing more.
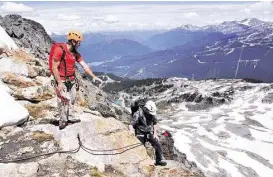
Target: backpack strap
(77, 55)
(63, 59)
(142, 117)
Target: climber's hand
(97, 79)
(60, 87)
(131, 130)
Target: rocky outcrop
(101, 101)
(171, 153)
(27, 34)
(201, 101)
(35, 94)
(96, 133)
(29, 81)
(268, 98)
(17, 81)
(168, 92)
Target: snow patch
(96, 63)
(11, 112)
(6, 41)
(16, 67)
(232, 50)
(171, 61)
(201, 61)
(224, 164)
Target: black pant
(155, 143)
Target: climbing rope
(81, 146)
(90, 151)
(40, 155)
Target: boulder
(35, 93)
(17, 80)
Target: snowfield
(232, 139)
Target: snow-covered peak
(226, 27)
(6, 41)
(245, 21)
(251, 22)
(230, 26)
(190, 27)
(239, 26)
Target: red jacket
(70, 60)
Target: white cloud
(191, 15)
(78, 24)
(87, 16)
(97, 18)
(266, 12)
(264, 6)
(111, 19)
(11, 7)
(247, 10)
(261, 6)
(68, 17)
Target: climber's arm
(87, 69)
(56, 63)
(155, 127)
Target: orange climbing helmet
(75, 35)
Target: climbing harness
(145, 138)
(68, 85)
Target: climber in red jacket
(62, 60)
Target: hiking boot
(161, 163)
(62, 125)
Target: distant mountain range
(109, 46)
(113, 49)
(175, 37)
(241, 49)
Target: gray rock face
(23, 170)
(104, 110)
(171, 153)
(96, 133)
(100, 101)
(268, 98)
(27, 34)
(62, 166)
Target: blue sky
(58, 17)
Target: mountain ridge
(254, 42)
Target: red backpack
(53, 47)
